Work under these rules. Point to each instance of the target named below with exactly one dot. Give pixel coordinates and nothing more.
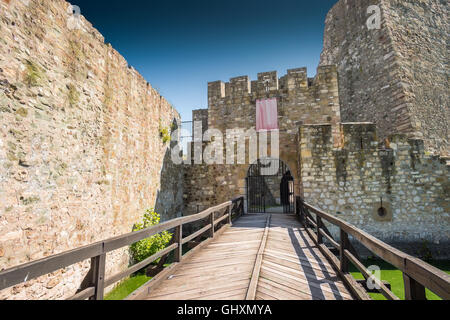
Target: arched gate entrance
(270, 187)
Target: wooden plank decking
(259, 257)
(262, 257)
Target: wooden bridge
(248, 257)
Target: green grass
(127, 287)
(395, 277)
(137, 280)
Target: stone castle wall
(81, 157)
(233, 105)
(393, 82)
(300, 100)
(395, 76)
(355, 181)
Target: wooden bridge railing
(96, 283)
(417, 274)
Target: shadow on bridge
(311, 277)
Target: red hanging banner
(267, 115)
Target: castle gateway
(84, 141)
(367, 139)
(390, 187)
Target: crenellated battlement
(378, 167)
(238, 86)
(269, 82)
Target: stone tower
(394, 76)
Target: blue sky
(179, 46)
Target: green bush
(164, 132)
(145, 248)
(165, 135)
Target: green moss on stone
(22, 112)
(17, 134)
(77, 58)
(75, 48)
(62, 168)
(5, 109)
(12, 157)
(33, 74)
(21, 155)
(103, 182)
(103, 170)
(31, 200)
(12, 146)
(73, 95)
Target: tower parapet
(216, 89)
(300, 100)
(240, 85)
(270, 83)
(296, 78)
(267, 82)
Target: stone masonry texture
(233, 105)
(367, 139)
(81, 157)
(355, 181)
(397, 76)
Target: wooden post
(413, 289)
(179, 240)
(230, 214)
(319, 226)
(98, 276)
(302, 214)
(344, 246)
(295, 206)
(211, 217)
